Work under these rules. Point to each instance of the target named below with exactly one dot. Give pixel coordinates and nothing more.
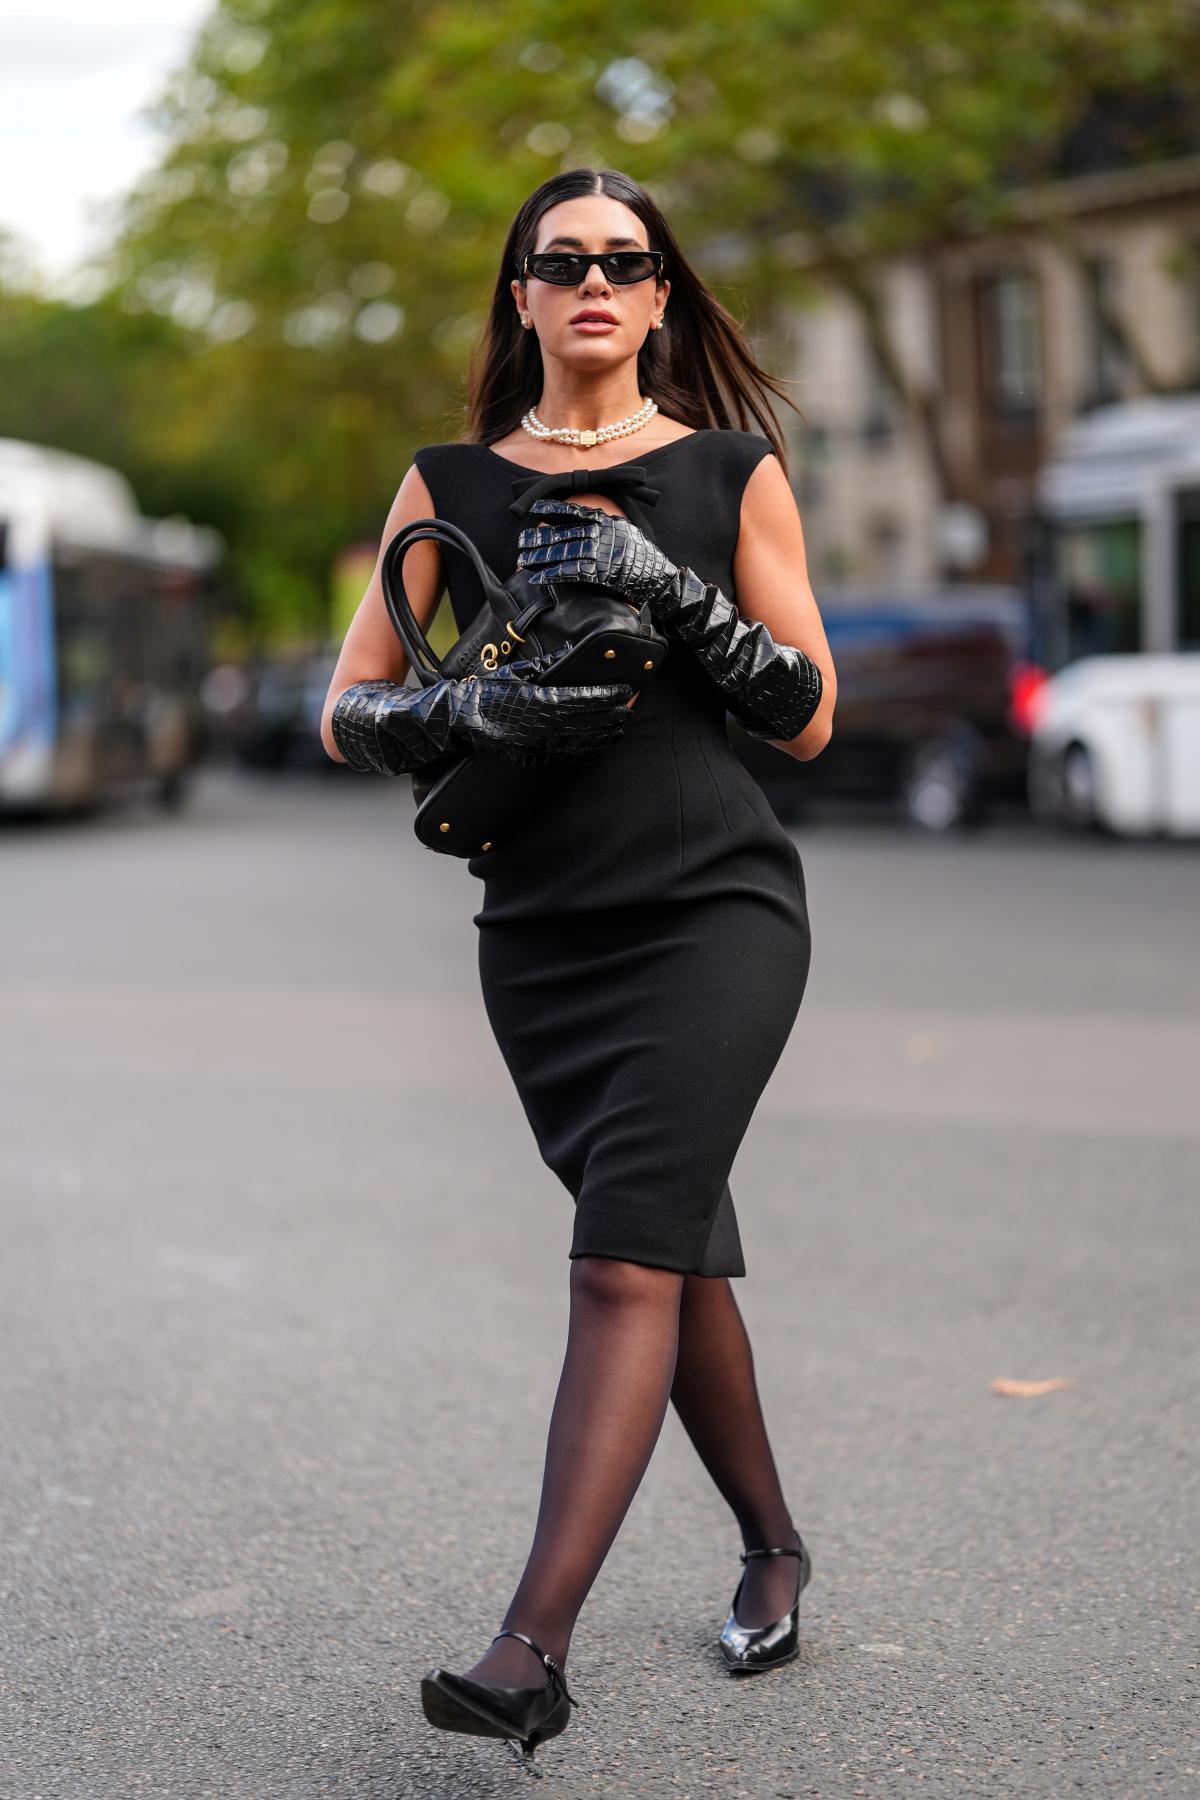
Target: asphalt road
(283, 1295)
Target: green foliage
(296, 285)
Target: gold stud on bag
(571, 633)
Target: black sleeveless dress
(644, 941)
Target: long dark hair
(698, 367)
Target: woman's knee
(607, 1280)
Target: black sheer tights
(638, 1338)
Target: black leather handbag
(470, 802)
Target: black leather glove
(771, 689)
(592, 545)
(392, 728)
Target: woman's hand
(771, 689)
(397, 729)
(592, 545)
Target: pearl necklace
(568, 434)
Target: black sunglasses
(565, 268)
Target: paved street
(283, 1296)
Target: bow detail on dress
(629, 481)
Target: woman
(644, 941)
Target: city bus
(1117, 563)
(1115, 742)
(102, 635)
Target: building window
(812, 458)
(884, 559)
(1107, 361)
(1012, 365)
(878, 418)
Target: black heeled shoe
(747, 1648)
(524, 1715)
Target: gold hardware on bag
(445, 825)
(505, 646)
(508, 626)
(609, 654)
(649, 663)
(486, 846)
(484, 654)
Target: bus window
(1099, 573)
(1188, 610)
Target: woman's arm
(371, 650)
(770, 574)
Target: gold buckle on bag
(490, 652)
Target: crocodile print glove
(600, 547)
(771, 689)
(393, 729)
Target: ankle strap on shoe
(779, 1550)
(556, 1674)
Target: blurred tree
(90, 378)
(324, 224)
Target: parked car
(1116, 745)
(932, 710)
(276, 722)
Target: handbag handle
(423, 659)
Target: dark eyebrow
(578, 242)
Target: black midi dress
(644, 941)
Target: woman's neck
(580, 406)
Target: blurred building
(1090, 295)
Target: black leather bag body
(471, 802)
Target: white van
(1115, 745)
